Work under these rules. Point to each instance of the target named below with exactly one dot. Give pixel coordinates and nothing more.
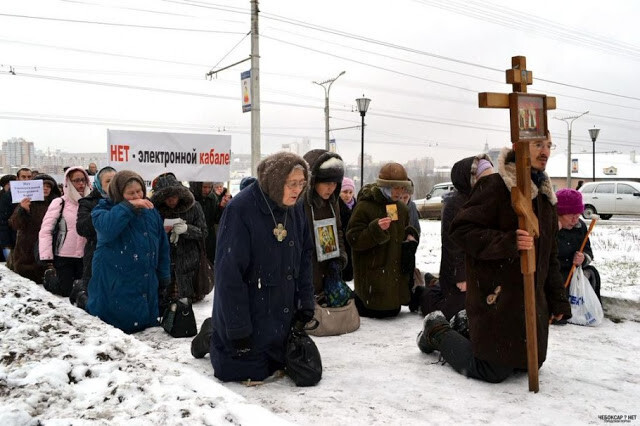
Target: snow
(60, 366)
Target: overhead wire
(119, 24)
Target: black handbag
(179, 320)
(302, 358)
(59, 234)
(203, 278)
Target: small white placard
(32, 189)
(171, 222)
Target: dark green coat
(379, 282)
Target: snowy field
(60, 366)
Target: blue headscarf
(97, 182)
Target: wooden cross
(528, 123)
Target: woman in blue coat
(131, 258)
(263, 272)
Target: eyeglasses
(78, 181)
(540, 145)
(293, 184)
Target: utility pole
(326, 85)
(255, 90)
(569, 121)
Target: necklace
(280, 230)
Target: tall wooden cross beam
(528, 114)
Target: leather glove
(241, 346)
(179, 228)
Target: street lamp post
(326, 85)
(363, 106)
(594, 135)
(569, 121)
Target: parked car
(430, 207)
(609, 198)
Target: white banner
(21, 189)
(190, 156)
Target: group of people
(285, 245)
(101, 242)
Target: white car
(609, 198)
(431, 206)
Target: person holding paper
(63, 255)
(187, 228)
(7, 206)
(131, 261)
(376, 241)
(27, 220)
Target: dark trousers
(372, 313)
(457, 351)
(68, 269)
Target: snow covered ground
(60, 366)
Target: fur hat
(6, 179)
(166, 185)
(45, 178)
(569, 201)
(393, 175)
(325, 166)
(273, 171)
(120, 181)
(348, 184)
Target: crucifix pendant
(280, 232)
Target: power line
(370, 65)
(117, 24)
(96, 52)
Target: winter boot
(78, 286)
(435, 325)
(51, 282)
(460, 323)
(200, 343)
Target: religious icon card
(528, 117)
(326, 236)
(392, 211)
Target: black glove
(303, 316)
(241, 346)
(408, 256)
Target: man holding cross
(487, 231)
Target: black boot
(200, 343)
(435, 325)
(460, 323)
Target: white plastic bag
(585, 306)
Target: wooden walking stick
(528, 113)
(584, 243)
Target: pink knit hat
(348, 184)
(569, 201)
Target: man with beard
(487, 231)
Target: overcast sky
(421, 62)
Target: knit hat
(120, 181)
(246, 181)
(273, 171)
(569, 201)
(348, 184)
(325, 166)
(483, 165)
(392, 175)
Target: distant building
(609, 166)
(17, 153)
